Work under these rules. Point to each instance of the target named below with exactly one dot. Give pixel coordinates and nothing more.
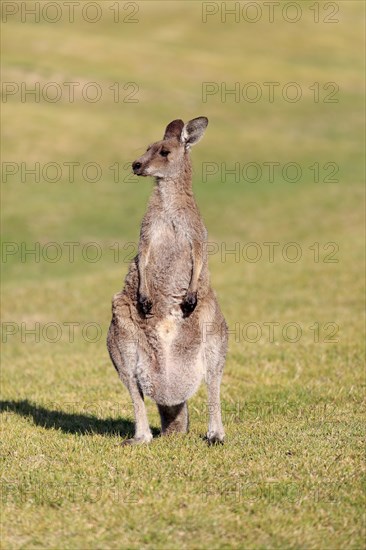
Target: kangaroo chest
(169, 238)
(169, 265)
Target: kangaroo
(167, 331)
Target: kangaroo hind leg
(125, 351)
(214, 366)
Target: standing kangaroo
(167, 330)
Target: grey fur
(167, 331)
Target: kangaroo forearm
(143, 284)
(142, 265)
(197, 261)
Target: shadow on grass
(70, 423)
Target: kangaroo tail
(174, 418)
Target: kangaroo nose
(136, 165)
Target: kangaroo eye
(164, 153)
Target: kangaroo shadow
(70, 423)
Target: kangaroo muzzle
(137, 168)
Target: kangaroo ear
(193, 131)
(174, 129)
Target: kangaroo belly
(179, 368)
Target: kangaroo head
(165, 159)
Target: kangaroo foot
(137, 440)
(215, 438)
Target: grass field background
(291, 472)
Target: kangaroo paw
(145, 304)
(189, 303)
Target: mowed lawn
(287, 263)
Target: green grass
(291, 473)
